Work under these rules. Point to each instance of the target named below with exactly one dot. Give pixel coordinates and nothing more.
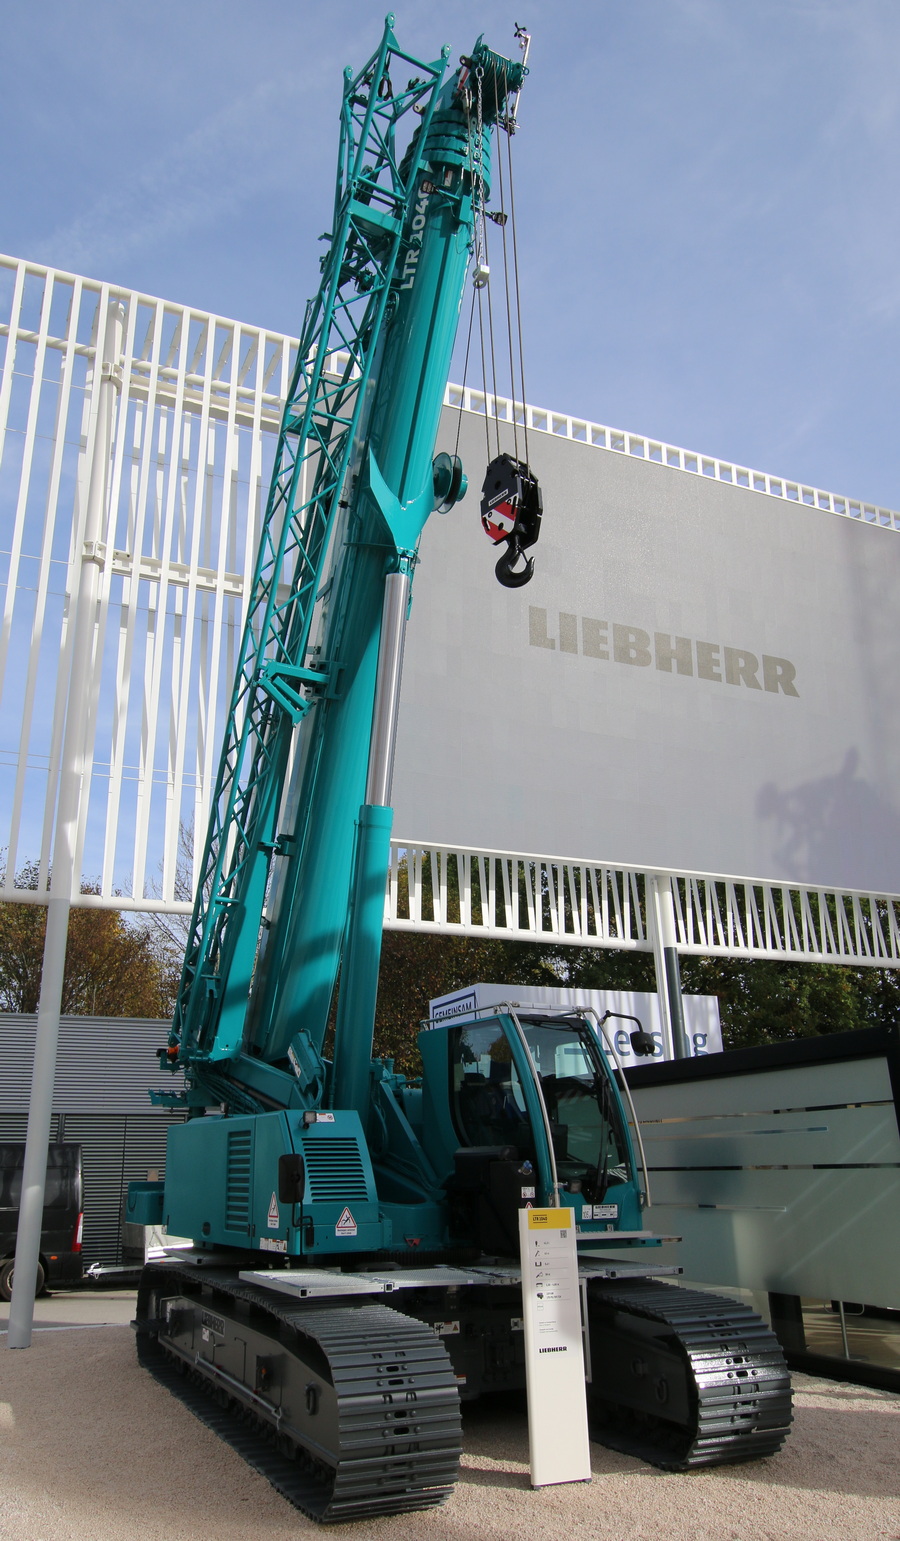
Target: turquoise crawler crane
(314, 1187)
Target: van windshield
(63, 1185)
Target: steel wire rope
(502, 221)
(515, 247)
(486, 283)
(462, 393)
(493, 351)
(487, 418)
(475, 158)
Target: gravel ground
(92, 1449)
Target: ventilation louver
(237, 1181)
(334, 1170)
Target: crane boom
(352, 488)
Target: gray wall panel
(511, 745)
(102, 1142)
(785, 1180)
(788, 1088)
(104, 1064)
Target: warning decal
(274, 1217)
(346, 1225)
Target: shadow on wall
(837, 831)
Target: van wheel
(7, 1270)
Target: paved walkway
(77, 1308)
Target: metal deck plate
(325, 1283)
(594, 1266)
(607, 1238)
(328, 1283)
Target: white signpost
(559, 1450)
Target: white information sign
(559, 1449)
(701, 1013)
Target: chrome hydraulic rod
(386, 710)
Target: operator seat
(482, 1110)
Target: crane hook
(504, 568)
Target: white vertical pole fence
(88, 561)
(661, 925)
(112, 709)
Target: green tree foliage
(416, 968)
(763, 1001)
(114, 966)
(760, 1000)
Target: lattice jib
(375, 184)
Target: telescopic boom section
(352, 489)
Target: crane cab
(524, 1109)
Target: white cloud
(194, 183)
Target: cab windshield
(489, 1106)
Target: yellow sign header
(549, 1219)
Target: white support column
(86, 590)
(661, 923)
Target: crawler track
(393, 1401)
(682, 1378)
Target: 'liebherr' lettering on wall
(679, 655)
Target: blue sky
(707, 196)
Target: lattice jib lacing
(321, 414)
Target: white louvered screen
(197, 414)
